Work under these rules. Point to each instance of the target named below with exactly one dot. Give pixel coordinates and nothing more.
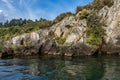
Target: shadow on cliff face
(7, 53)
(50, 47)
(110, 49)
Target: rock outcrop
(111, 17)
(68, 37)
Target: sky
(36, 9)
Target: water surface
(83, 68)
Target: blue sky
(35, 9)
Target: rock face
(111, 16)
(68, 37)
(69, 32)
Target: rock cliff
(69, 37)
(111, 16)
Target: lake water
(49, 68)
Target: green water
(49, 68)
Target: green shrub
(12, 46)
(84, 14)
(61, 40)
(109, 3)
(93, 20)
(96, 5)
(99, 4)
(79, 8)
(51, 36)
(61, 17)
(94, 39)
(94, 30)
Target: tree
(6, 24)
(1, 24)
(79, 8)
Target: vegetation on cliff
(18, 26)
(60, 40)
(95, 32)
(96, 5)
(62, 16)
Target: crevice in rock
(96, 53)
(4, 55)
(40, 50)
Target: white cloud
(33, 9)
(10, 10)
(1, 11)
(29, 13)
(2, 16)
(8, 4)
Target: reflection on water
(83, 68)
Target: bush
(96, 5)
(61, 40)
(95, 32)
(108, 3)
(87, 7)
(99, 4)
(61, 16)
(93, 20)
(94, 38)
(84, 14)
(79, 8)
